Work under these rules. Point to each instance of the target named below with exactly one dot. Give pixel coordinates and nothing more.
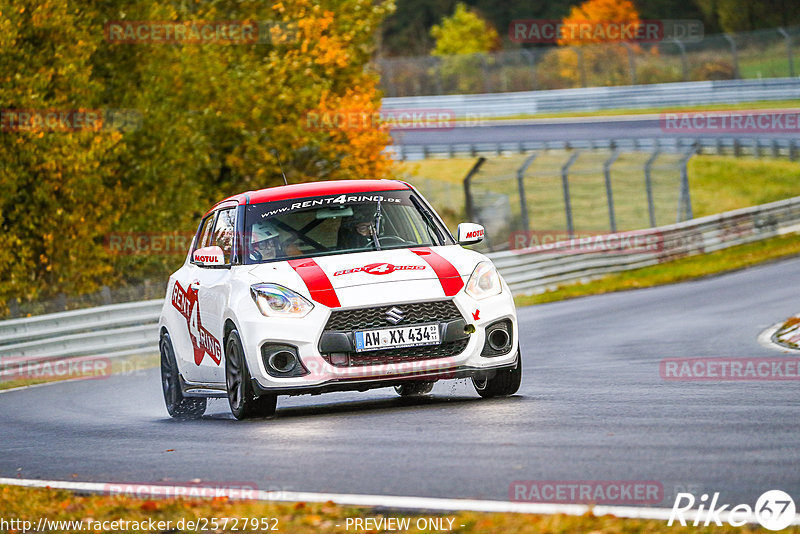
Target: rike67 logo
(774, 510)
(185, 301)
(380, 268)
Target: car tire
(414, 389)
(178, 406)
(504, 383)
(243, 401)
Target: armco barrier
(657, 95)
(537, 269)
(122, 329)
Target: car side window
(204, 237)
(223, 232)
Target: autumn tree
(461, 41)
(61, 183)
(601, 55)
(213, 120)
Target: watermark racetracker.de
(747, 121)
(44, 368)
(70, 120)
(730, 369)
(392, 119)
(203, 32)
(585, 242)
(639, 492)
(604, 31)
(147, 243)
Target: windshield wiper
(429, 220)
(376, 225)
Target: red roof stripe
(317, 189)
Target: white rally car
(332, 286)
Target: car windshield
(339, 224)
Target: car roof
(313, 189)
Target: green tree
(464, 32)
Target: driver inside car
(264, 242)
(357, 231)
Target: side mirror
(470, 233)
(208, 256)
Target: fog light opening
(283, 361)
(498, 339)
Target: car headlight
(484, 282)
(277, 301)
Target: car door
(211, 284)
(184, 331)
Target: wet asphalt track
(592, 406)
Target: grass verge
(28, 504)
(688, 268)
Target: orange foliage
(599, 11)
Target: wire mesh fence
(758, 54)
(531, 200)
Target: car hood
(364, 278)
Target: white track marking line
(384, 501)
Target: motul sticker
(380, 268)
(203, 342)
(474, 234)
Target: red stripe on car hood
(448, 275)
(316, 281)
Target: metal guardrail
(110, 331)
(733, 146)
(540, 268)
(476, 106)
(123, 329)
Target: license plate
(395, 338)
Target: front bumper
(310, 337)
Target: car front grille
(439, 311)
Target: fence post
(685, 202)
(61, 301)
(531, 57)
(734, 55)
(386, 67)
(487, 82)
(684, 61)
(105, 294)
(13, 308)
(581, 65)
(437, 66)
(609, 195)
(469, 208)
(523, 201)
(788, 50)
(565, 187)
(648, 184)
(631, 62)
